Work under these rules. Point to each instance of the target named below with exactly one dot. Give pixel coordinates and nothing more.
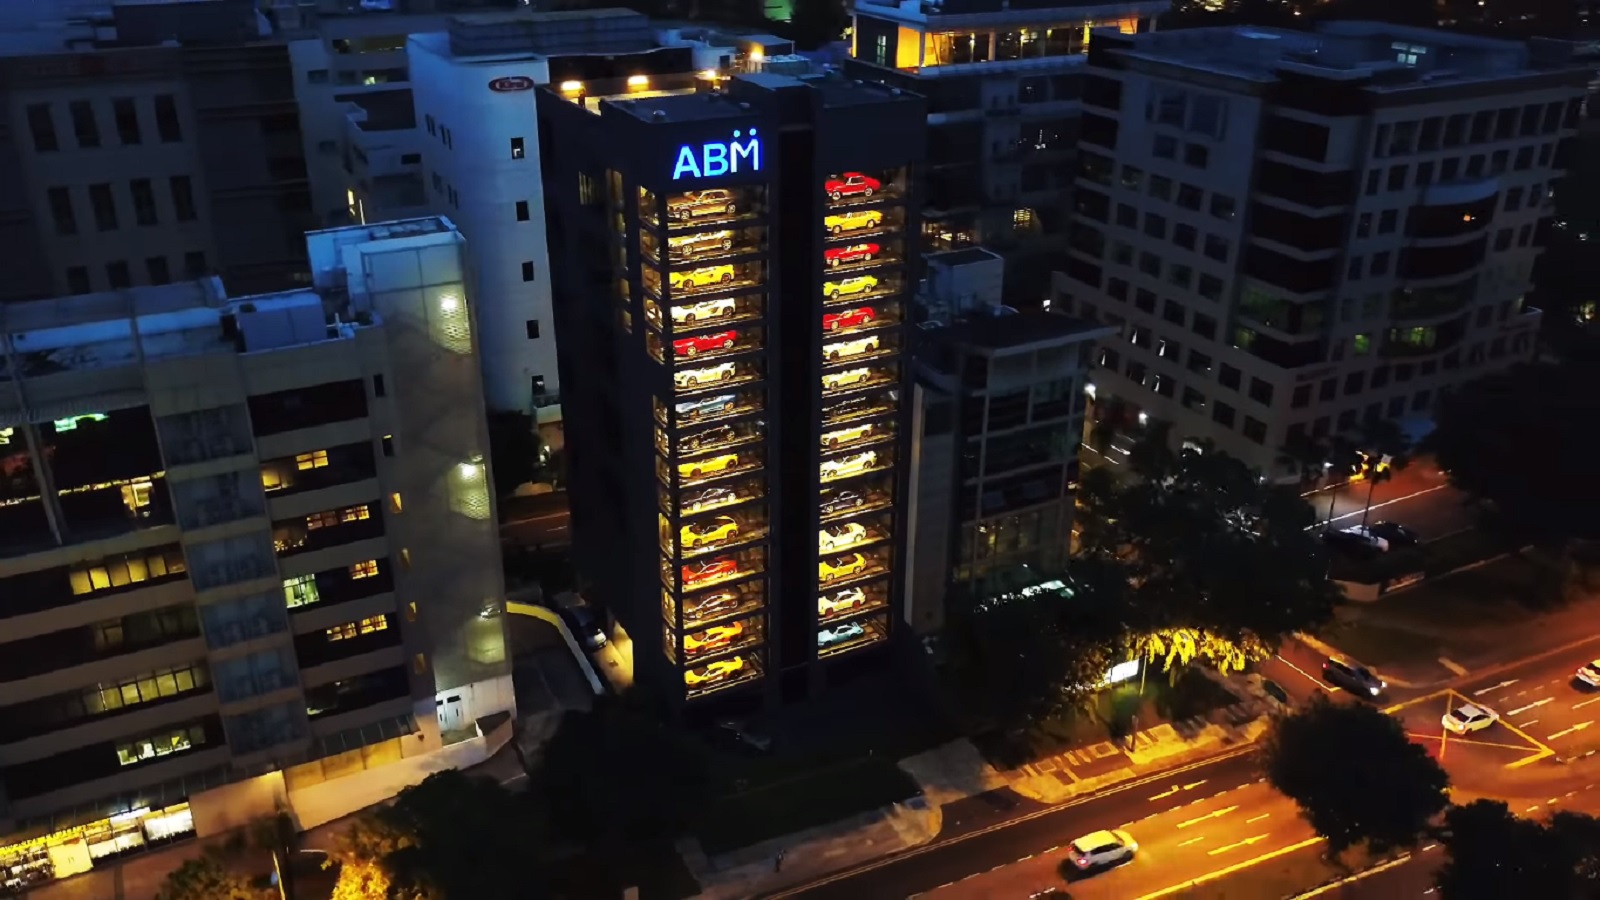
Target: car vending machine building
(731, 263)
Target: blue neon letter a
(687, 164)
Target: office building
(997, 421)
(732, 261)
(148, 143)
(1002, 81)
(247, 550)
(1296, 232)
(481, 153)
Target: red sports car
(853, 184)
(717, 340)
(854, 253)
(708, 571)
(850, 318)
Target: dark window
(1222, 414)
(126, 112)
(1295, 138)
(78, 280)
(61, 212)
(532, 326)
(1205, 326)
(338, 401)
(527, 271)
(388, 445)
(156, 267)
(84, 126)
(1255, 430)
(167, 119)
(194, 263)
(378, 388)
(1196, 155)
(182, 198)
(104, 204)
(357, 692)
(1228, 377)
(42, 124)
(111, 637)
(1301, 396)
(117, 275)
(1261, 392)
(522, 210)
(1353, 382)
(517, 149)
(144, 201)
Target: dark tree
(206, 878)
(1207, 544)
(513, 450)
(452, 835)
(816, 22)
(1523, 439)
(617, 775)
(1014, 662)
(1355, 775)
(1495, 854)
(1421, 13)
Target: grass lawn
(805, 800)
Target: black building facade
(731, 267)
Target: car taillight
(1081, 860)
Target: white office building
(1296, 232)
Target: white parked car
(1102, 848)
(847, 349)
(710, 406)
(841, 601)
(691, 378)
(849, 465)
(1469, 717)
(837, 537)
(705, 309)
(834, 381)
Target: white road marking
(1574, 729)
(1210, 815)
(1495, 687)
(1192, 841)
(1256, 819)
(1529, 722)
(1256, 839)
(1586, 703)
(1453, 666)
(1534, 705)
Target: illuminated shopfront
(70, 851)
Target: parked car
(847, 435)
(839, 634)
(1356, 541)
(861, 346)
(853, 464)
(711, 531)
(844, 287)
(855, 220)
(841, 601)
(1396, 534)
(839, 501)
(701, 343)
(710, 606)
(711, 570)
(704, 276)
(850, 318)
(691, 244)
(845, 534)
(834, 381)
(1353, 677)
(711, 673)
(716, 637)
(855, 253)
(841, 567)
(852, 184)
(702, 204)
(720, 308)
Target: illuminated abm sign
(719, 158)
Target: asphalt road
(954, 856)
(1418, 496)
(1216, 823)
(538, 521)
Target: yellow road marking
(1416, 700)
(1193, 840)
(1545, 754)
(1166, 793)
(1229, 870)
(1366, 873)
(1254, 839)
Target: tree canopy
(1523, 439)
(1015, 661)
(206, 878)
(453, 835)
(1206, 545)
(514, 450)
(1355, 775)
(1494, 854)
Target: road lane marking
(1453, 666)
(1495, 687)
(1306, 675)
(1256, 819)
(1254, 839)
(1573, 730)
(1192, 786)
(1586, 703)
(1350, 879)
(1166, 793)
(1225, 871)
(1193, 840)
(1519, 711)
(1546, 753)
(1210, 815)
(932, 846)
(1528, 723)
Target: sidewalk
(957, 771)
(139, 877)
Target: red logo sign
(511, 83)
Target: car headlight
(1374, 691)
